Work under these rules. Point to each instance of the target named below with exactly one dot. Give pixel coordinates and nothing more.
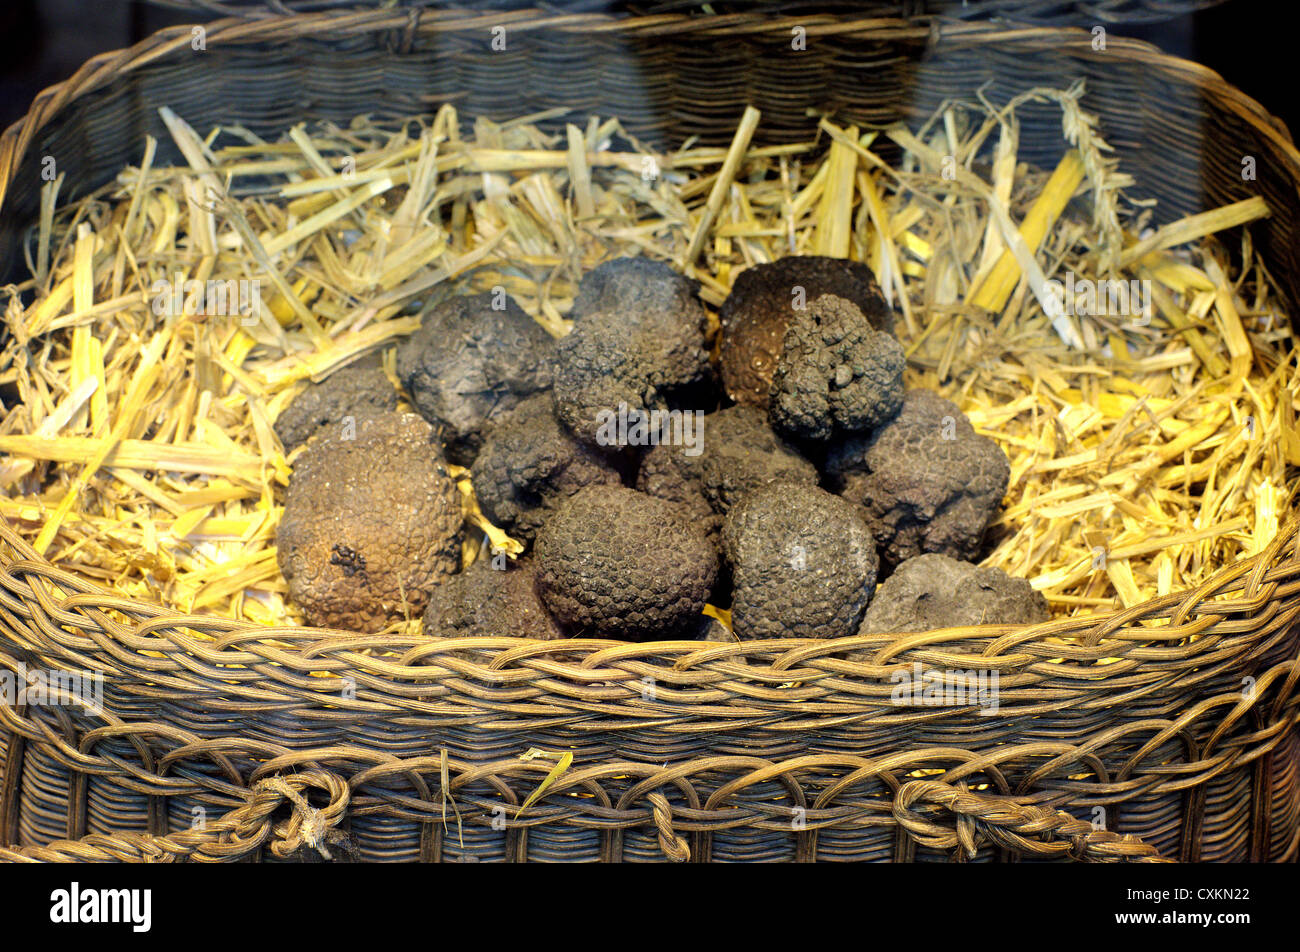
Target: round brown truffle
(668, 473)
(735, 451)
(836, 373)
(757, 311)
(637, 346)
(616, 563)
(803, 561)
(928, 481)
(371, 523)
(743, 452)
(358, 389)
(490, 599)
(934, 591)
(472, 360)
(529, 464)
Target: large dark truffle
(634, 284)
(529, 464)
(737, 451)
(471, 361)
(371, 523)
(928, 481)
(763, 299)
(934, 591)
(492, 602)
(803, 563)
(742, 453)
(617, 563)
(358, 389)
(667, 473)
(637, 345)
(836, 373)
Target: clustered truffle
(529, 464)
(371, 523)
(763, 301)
(471, 361)
(493, 597)
(836, 373)
(822, 475)
(934, 591)
(358, 389)
(637, 343)
(803, 560)
(615, 562)
(928, 481)
(745, 453)
(739, 452)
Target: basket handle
(237, 834)
(1023, 828)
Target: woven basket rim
(1062, 12)
(795, 675)
(105, 67)
(1252, 585)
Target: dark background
(45, 41)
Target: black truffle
(934, 591)
(928, 481)
(617, 563)
(472, 360)
(742, 453)
(529, 464)
(637, 345)
(371, 523)
(737, 451)
(761, 303)
(358, 389)
(489, 601)
(668, 473)
(634, 284)
(803, 562)
(836, 373)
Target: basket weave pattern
(1048, 12)
(1166, 730)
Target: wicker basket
(768, 751)
(1047, 12)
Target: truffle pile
(657, 493)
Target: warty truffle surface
(490, 602)
(529, 464)
(471, 361)
(371, 523)
(357, 389)
(928, 481)
(836, 373)
(742, 452)
(638, 343)
(803, 563)
(614, 562)
(761, 303)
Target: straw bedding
(1151, 443)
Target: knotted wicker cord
(674, 846)
(1026, 829)
(233, 837)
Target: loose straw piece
(718, 194)
(996, 289)
(1196, 226)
